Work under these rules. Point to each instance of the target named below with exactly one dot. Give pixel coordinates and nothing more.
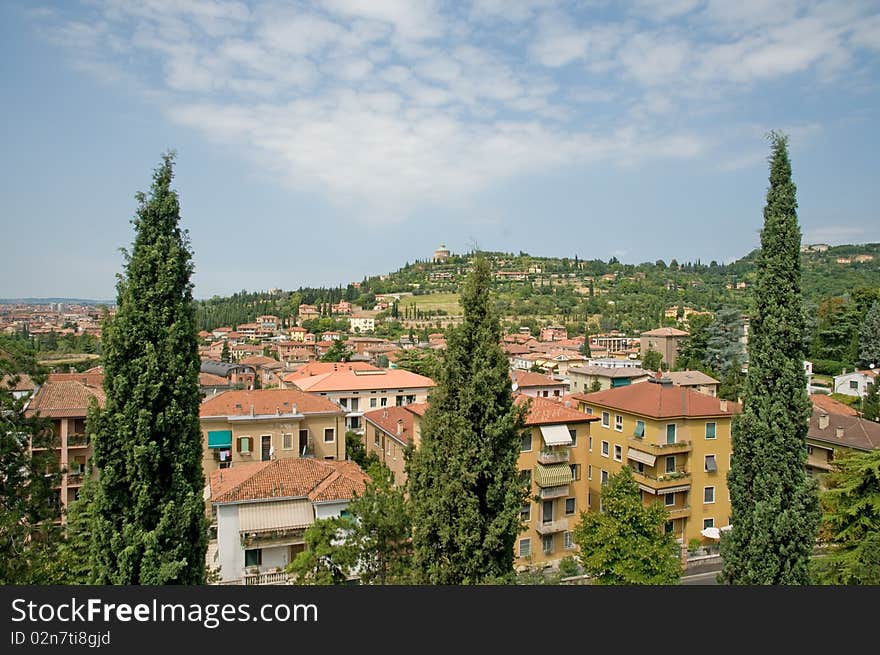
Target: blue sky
(321, 142)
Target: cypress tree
(869, 337)
(150, 525)
(464, 485)
(774, 504)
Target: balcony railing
(664, 480)
(77, 440)
(547, 456)
(546, 493)
(679, 512)
(75, 479)
(551, 527)
(660, 448)
(274, 578)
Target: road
(707, 578)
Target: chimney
(839, 432)
(293, 408)
(252, 409)
(723, 405)
(400, 427)
(385, 413)
(823, 421)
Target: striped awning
(675, 490)
(556, 435)
(552, 475)
(639, 456)
(275, 515)
(220, 439)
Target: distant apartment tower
(666, 341)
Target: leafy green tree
(693, 351)
(652, 360)
(774, 504)
(465, 489)
(324, 561)
(337, 352)
(871, 402)
(381, 532)
(422, 362)
(869, 337)
(627, 544)
(595, 386)
(225, 355)
(723, 343)
(732, 382)
(150, 525)
(851, 521)
(29, 503)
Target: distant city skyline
(319, 143)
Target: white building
(261, 511)
(855, 383)
(361, 324)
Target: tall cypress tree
(464, 487)
(150, 525)
(775, 508)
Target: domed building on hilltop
(441, 254)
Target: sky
(321, 142)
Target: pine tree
(225, 355)
(465, 490)
(869, 337)
(774, 504)
(871, 402)
(150, 525)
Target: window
(618, 422)
(640, 429)
(640, 467)
(853, 384)
(708, 523)
(525, 477)
(708, 494)
(669, 527)
(329, 435)
(574, 437)
(670, 433)
(669, 499)
(376, 438)
(670, 464)
(589, 471)
(590, 444)
(588, 410)
(606, 419)
(303, 440)
(526, 512)
(710, 465)
(546, 393)
(809, 450)
(383, 401)
(287, 441)
(245, 445)
(604, 449)
(601, 506)
(547, 544)
(604, 476)
(253, 557)
(710, 430)
(525, 547)
(525, 444)
(567, 540)
(575, 471)
(569, 505)
(618, 453)
(372, 402)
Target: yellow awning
(639, 456)
(275, 515)
(556, 435)
(552, 475)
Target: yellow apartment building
(389, 432)
(677, 443)
(268, 424)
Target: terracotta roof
(515, 349)
(266, 401)
(616, 372)
(659, 401)
(353, 380)
(64, 398)
(259, 360)
(319, 368)
(688, 378)
(831, 406)
(666, 332)
(210, 380)
(317, 480)
(857, 432)
(544, 411)
(23, 382)
(95, 378)
(525, 379)
(387, 419)
(418, 408)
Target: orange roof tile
(659, 401)
(544, 411)
(266, 401)
(64, 398)
(665, 332)
(318, 480)
(353, 380)
(319, 368)
(831, 406)
(387, 419)
(528, 379)
(209, 380)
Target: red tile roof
(856, 432)
(659, 401)
(94, 377)
(22, 383)
(266, 401)
(65, 398)
(209, 380)
(831, 406)
(525, 379)
(317, 480)
(544, 411)
(666, 332)
(354, 380)
(387, 419)
(319, 368)
(259, 360)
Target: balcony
(551, 527)
(679, 512)
(665, 481)
(660, 449)
(547, 493)
(78, 440)
(549, 456)
(75, 479)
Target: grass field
(448, 302)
